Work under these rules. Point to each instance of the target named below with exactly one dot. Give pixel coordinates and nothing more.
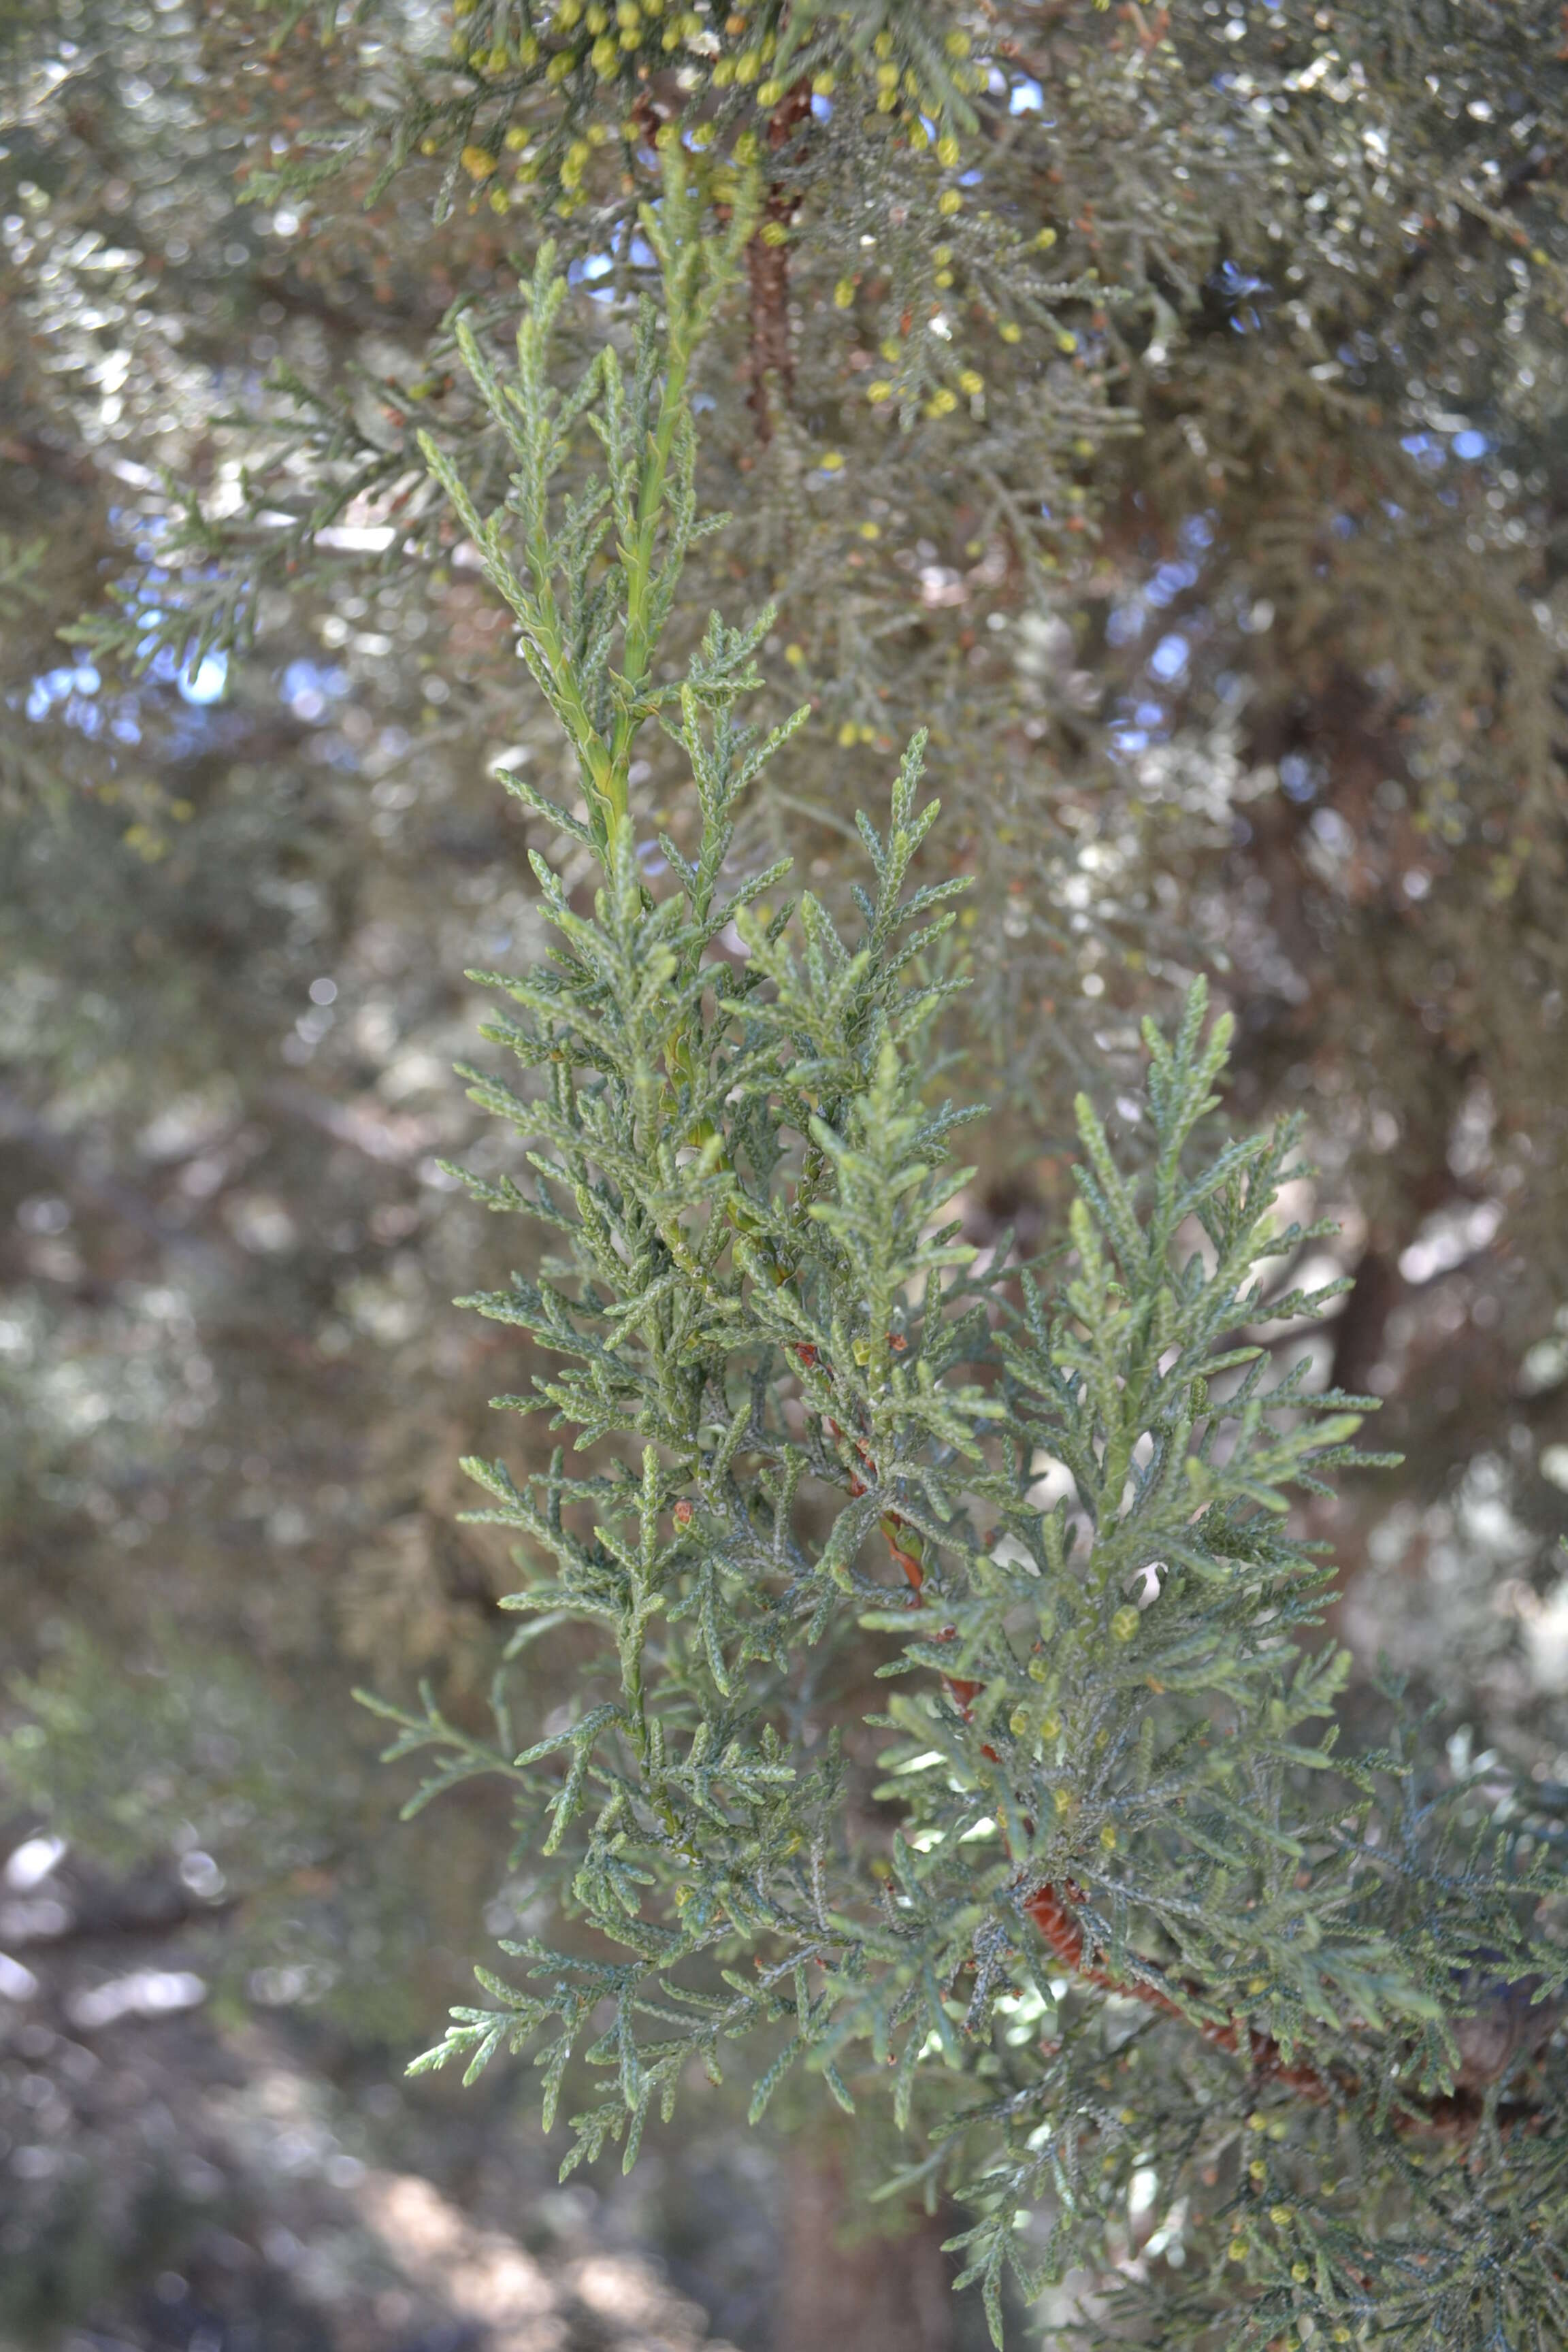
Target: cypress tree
(1046, 333)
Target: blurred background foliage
(1209, 505)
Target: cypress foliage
(1130, 1940)
(1256, 275)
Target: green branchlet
(1108, 1761)
(587, 626)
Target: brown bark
(844, 2290)
(1359, 1333)
(767, 270)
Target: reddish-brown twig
(1457, 2116)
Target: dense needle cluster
(1241, 324)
